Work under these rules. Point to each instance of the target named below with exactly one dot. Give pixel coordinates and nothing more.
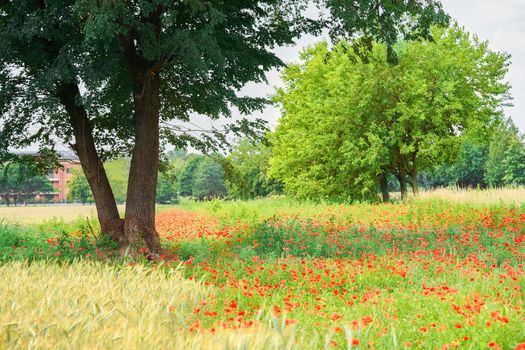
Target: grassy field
(67, 213)
(503, 196)
(441, 272)
(39, 214)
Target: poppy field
(273, 274)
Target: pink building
(61, 177)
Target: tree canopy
(350, 118)
(384, 21)
(208, 180)
(250, 162)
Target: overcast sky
(501, 22)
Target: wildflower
(494, 346)
(520, 346)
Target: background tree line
(496, 161)
(242, 174)
(20, 183)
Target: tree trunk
(142, 184)
(383, 183)
(415, 187)
(84, 147)
(403, 186)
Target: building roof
(64, 155)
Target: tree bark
(383, 183)
(403, 186)
(139, 221)
(142, 184)
(84, 147)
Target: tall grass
(430, 204)
(478, 197)
(92, 305)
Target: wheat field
(93, 305)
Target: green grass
(274, 274)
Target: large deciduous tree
(143, 59)
(349, 116)
(42, 66)
(184, 57)
(110, 77)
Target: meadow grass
(68, 213)
(277, 274)
(442, 202)
(477, 197)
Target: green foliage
(495, 161)
(21, 182)
(208, 180)
(79, 189)
(166, 189)
(467, 171)
(202, 52)
(250, 162)
(385, 21)
(187, 175)
(498, 151)
(43, 47)
(118, 171)
(204, 67)
(349, 116)
(514, 162)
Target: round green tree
(350, 118)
